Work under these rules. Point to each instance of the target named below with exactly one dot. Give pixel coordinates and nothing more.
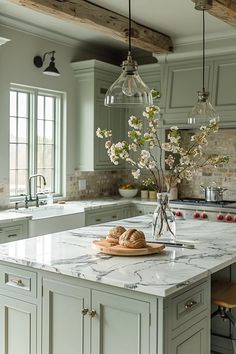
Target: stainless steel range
(224, 211)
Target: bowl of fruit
(128, 190)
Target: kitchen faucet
(31, 198)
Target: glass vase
(163, 222)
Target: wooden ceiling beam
(224, 10)
(102, 20)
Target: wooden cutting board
(108, 247)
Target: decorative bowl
(128, 193)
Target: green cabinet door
(65, 329)
(195, 340)
(17, 326)
(121, 325)
(107, 118)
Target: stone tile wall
(224, 143)
(98, 184)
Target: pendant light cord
(203, 50)
(130, 26)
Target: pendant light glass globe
(129, 88)
(203, 111)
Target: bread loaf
(132, 238)
(115, 233)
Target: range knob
(204, 216)
(178, 213)
(196, 215)
(228, 217)
(220, 216)
(234, 218)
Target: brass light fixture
(203, 111)
(129, 89)
(51, 68)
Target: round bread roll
(115, 233)
(132, 238)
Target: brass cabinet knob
(92, 313)
(18, 282)
(189, 304)
(84, 311)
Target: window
(35, 138)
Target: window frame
(59, 103)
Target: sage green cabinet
(93, 78)
(18, 327)
(121, 324)
(65, 329)
(13, 231)
(111, 213)
(142, 209)
(193, 340)
(75, 317)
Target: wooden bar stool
(223, 294)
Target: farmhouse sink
(53, 218)
(46, 211)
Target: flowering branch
(145, 151)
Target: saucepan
(213, 193)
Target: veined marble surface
(70, 253)
(12, 216)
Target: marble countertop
(70, 253)
(70, 207)
(11, 216)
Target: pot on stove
(213, 193)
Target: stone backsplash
(106, 183)
(98, 183)
(222, 143)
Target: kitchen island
(65, 297)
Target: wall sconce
(51, 69)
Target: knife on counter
(174, 244)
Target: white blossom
(136, 173)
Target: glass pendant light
(203, 111)
(129, 89)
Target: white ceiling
(177, 18)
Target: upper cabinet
(181, 79)
(93, 78)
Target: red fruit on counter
(234, 218)
(178, 213)
(219, 217)
(204, 216)
(228, 217)
(196, 215)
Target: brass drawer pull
(12, 235)
(84, 311)
(92, 313)
(18, 282)
(98, 220)
(189, 304)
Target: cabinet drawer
(18, 281)
(187, 305)
(98, 218)
(12, 233)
